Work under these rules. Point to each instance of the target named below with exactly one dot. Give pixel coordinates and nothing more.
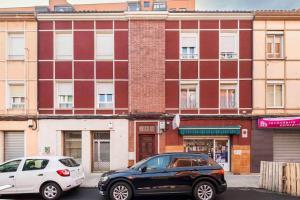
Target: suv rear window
(69, 162)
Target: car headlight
(104, 178)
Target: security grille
(101, 148)
(13, 145)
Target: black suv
(171, 173)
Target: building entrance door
(101, 151)
(147, 146)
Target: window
(146, 4)
(188, 96)
(158, 163)
(16, 46)
(65, 8)
(228, 95)
(159, 6)
(105, 46)
(69, 162)
(64, 95)
(181, 162)
(72, 145)
(10, 166)
(35, 164)
(228, 45)
(274, 94)
(133, 6)
(105, 95)
(64, 46)
(275, 45)
(17, 96)
(189, 45)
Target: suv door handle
(11, 177)
(40, 174)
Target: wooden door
(146, 146)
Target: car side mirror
(143, 169)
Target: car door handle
(41, 175)
(11, 177)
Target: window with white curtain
(17, 96)
(104, 46)
(105, 95)
(228, 95)
(275, 45)
(64, 94)
(188, 95)
(275, 94)
(64, 46)
(228, 45)
(16, 46)
(189, 45)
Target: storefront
(275, 139)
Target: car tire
(204, 191)
(120, 191)
(51, 191)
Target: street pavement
(231, 194)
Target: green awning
(209, 130)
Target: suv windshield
(69, 162)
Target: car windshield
(139, 163)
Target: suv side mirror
(143, 169)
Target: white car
(49, 176)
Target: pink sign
(284, 122)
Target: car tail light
(63, 172)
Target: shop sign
(284, 122)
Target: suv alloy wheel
(204, 191)
(120, 191)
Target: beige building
(18, 85)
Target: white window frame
(130, 3)
(97, 100)
(9, 97)
(229, 85)
(229, 55)
(57, 98)
(64, 57)
(275, 34)
(189, 56)
(104, 57)
(274, 84)
(184, 84)
(15, 35)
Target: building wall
(51, 131)
(285, 69)
(147, 67)
(209, 69)
(24, 71)
(84, 70)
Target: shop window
(189, 45)
(228, 95)
(189, 96)
(275, 95)
(228, 45)
(275, 45)
(72, 145)
(64, 46)
(17, 96)
(16, 46)
(64, 92)
(105, 95)
(104, 46)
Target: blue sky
(201, 4)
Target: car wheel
(51, 191)
(204, 191)
(120, 191)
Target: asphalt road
(231, 194)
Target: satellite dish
(176, 122)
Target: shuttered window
(105, 46)
(189, 45)
(64, 46)
(64, 95)
(17, 96)
(275, 45)
(105, 95)
(286, 147)
(16, 46)
(228, 45)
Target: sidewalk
(233, 181)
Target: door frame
(137, 138)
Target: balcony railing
(18, 106)
(189, 56)
(228, 55)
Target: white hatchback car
(49, 176)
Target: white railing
(189, 56)
(228, 55)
